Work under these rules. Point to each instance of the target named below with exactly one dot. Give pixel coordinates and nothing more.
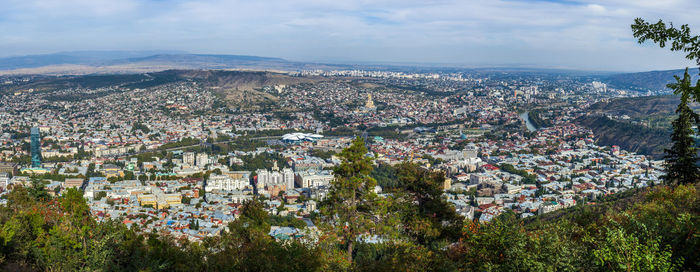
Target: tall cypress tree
(682, 158)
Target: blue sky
(586, 34)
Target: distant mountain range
(88, 62)
(122, 62)
(76, 57)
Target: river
(525, 116)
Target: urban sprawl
(175, 159)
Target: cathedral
(369, 105)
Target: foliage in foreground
(658, 233)
(409, 228)
(655, 230)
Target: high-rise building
(288, 177)
(188, 158)
(35, 147)
(202, 159)
(275, 177)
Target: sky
(570, 34)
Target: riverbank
(526, 117)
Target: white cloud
(589, 34)
(597, 8)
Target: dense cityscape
(349, 136)
(171, 159)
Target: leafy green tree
(385, 175)
(660, 33)
(426, 215)
(398, 256)
(19, 198)
(350, 207)
(506, 245)
(73, 202)
(247, 246)
(620, 251)
(99, 195)
(38, 191)
(253, 218)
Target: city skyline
(582, 35)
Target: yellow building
(158, 199)
(111, 170)
(8, 167)
(38, 171)
(73, 183)
(147, 200)
(447, 184)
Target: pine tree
(350, 208)
(682, 158)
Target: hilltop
(239, 89)
(647, 81)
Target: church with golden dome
(369, 105)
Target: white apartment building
(225, 183)
(202, 159)
(188, 158)
(314, 179)
(272, 178)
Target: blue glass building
(36, 147)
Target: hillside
(50, 83)
(639, 124)
(636, 107)
(629, 136)
(240, 89)
(646, 81)
(653, 111)
(75, 57)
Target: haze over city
(585, 35)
